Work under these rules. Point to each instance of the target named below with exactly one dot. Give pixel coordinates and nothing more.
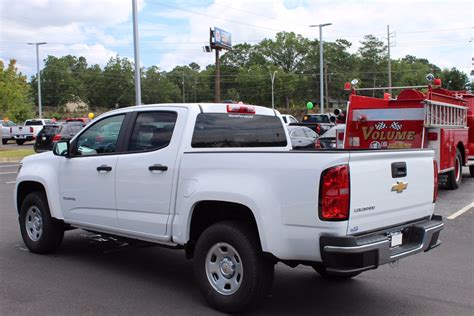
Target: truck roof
(203, 107)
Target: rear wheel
(455, 175)
(40, 232)
(230, 268)
(322, 271)
(471, 170)
(4, 141)
(20, 142)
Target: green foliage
(245, 75)
(454, 79)
(117, 86)
(15, 95)
(156, 88)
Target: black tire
(35, 209)
(321, 270)
(455, 176)
(257, 271)
(471, 171)
(4, 141)
(20, 142)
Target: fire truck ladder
(441, 114)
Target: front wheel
(455, 175)
(40, 232)
(322, 271)
(230, 268)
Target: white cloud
(176, 32)
(252, 21)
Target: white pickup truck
(29, 130)
(221, 182)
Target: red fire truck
(436, 118)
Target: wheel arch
(26, 187)
(462, 150)
(208, 212)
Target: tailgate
(381, 198)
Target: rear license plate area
(396, 239)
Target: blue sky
(173, 32)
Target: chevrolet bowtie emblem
(399, 186)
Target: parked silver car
(6, 134)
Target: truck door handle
(399, 169)
(157, 167)
(104, 168)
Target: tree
(156, 88)
(373, 62)
(62, 80)
(117, 86)
(15, 94)
(453, 79)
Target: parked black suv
(54, 133)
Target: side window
(100, 138)
(152, 130)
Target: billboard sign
(222, 39)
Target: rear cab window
(316, 118)
(236, 130)
(34, 123)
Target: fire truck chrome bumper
(364, 252)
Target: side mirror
(61, 149)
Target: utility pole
(218, 40)
(321, 68)
(326, 81)
(218, 77)
(184, 98)
(138, 93)
(389, 35)
(272, 76)
(38, 77)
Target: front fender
(43, 169)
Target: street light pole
(321, 68)
(272, 76)
(38, 77)
(138, 91)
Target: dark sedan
(51, 134)
(302, 137)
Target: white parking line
(12, 172)
(10, 182)
(8, 166)
(461, 211)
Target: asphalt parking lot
(90, 275)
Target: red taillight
(31, 129)
(239, 108)
(435, 173)
(432, 136)
(340, 136)
(334, 194)
(57, 138)
(317, 129)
